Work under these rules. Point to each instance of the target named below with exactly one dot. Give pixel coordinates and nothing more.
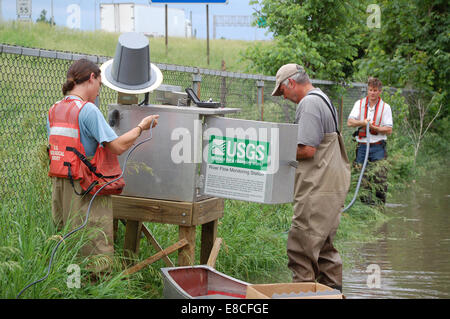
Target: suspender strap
(376, 113)
(331, 108)
(381, 116)
(374, 120)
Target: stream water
(412, 257)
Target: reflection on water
(413, 253)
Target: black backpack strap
(331, 108)
(69, 175)
(86, 162)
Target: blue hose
(362, 170)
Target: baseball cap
(285, 72)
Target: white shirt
(386, 120)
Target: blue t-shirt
(93, 127)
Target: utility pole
(167, 30)
(207, 34)
(192, 24)
(95, 15)
(214, 26)
(52, 19)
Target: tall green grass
(254, 247)
(181, 51)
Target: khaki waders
(68, 207)
(321, 185)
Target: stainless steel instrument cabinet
(197, 153)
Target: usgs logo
(236, 152)
(241, 150)
(253, 148)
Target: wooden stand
(187, 215)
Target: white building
(150, 20)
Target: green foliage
(43, 18)
(411, 49)
(414, 116)
(323, 36)
(399, 147)
(332, 40)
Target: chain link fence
(31, 81)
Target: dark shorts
(376, 152)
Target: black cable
(145, 101)
(87, 214)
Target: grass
(254, 234)
(254, 251)
(181, 51)
(254, 247)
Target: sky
(90, 16)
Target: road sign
(189, 1)
(261, 22)
(23, 8)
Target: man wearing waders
(322, 180)
(373, 110)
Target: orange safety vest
(378, 116)
(68, 157)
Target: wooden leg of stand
(186, 255)
(115, 228)
(132, 237)
(209, 234)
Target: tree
(324, 36)
(411, 49)
(43, 18)
(423, 115)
